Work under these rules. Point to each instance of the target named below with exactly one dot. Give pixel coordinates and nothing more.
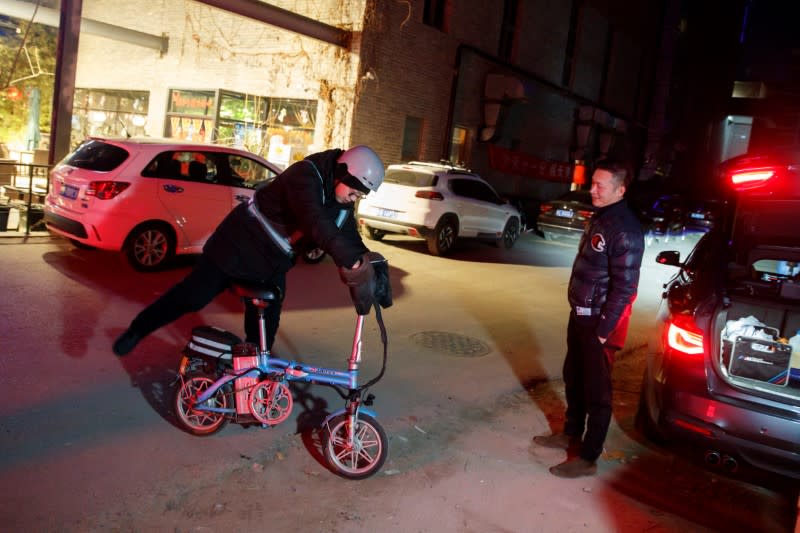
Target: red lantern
(13, 93)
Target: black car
(663, 219)
(723, 363)
(699, 216)
(566, 216)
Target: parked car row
(154, 199)
(666, 218)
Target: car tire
(444, 236)
(150, 247)
(375, 234)
(509, 236)
(642, 420)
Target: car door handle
(241, 198)
(173, 188)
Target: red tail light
(684, 336)
(106, 190)
(545, 208)
(429, 195)
(744, 179)
(585, 213)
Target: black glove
(361, 281)
(383, 285)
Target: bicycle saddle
(254, 291)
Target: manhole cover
(451, 343)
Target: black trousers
(197, 290)
(587, 381)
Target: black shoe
(126, 342)
(576, 467)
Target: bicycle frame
(292, 371)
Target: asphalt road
(89, 443)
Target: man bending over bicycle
(312, 199)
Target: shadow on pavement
(152, 367)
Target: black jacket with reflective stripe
(300, 199)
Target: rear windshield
(584, 197)
(97, 155)
(409, 178)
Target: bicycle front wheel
(196, 421)
(359, 457)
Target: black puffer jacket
(301, 199)
(605, 274)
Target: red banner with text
(512, 162)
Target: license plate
(564, 213)
(700, 216)
(385, 213)
(68, 191)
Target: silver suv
(439, 203)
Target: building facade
(517, 90)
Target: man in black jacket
(311, 199)
(602, 288)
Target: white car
(440, 203)
(150, 198)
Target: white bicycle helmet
(365, 165)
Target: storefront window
(242, 121)
(190, 115)
(290, 129)
(108, 112)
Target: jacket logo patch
(598, 243)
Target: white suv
(150, 198)
(438, 202)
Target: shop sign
(191, 102)
(522, 164)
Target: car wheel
(312, 256)
(375, 234)
(510, 234)
(642, 421)
(150, 247)
(443, 237)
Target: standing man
(602, 288)
(311, 199)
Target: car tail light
(429, 195)
(752, 178)
(545, 208)
(684, 336)
(106, 190)
(585, 213)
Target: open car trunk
(758, 323)
(755, 352)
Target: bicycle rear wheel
(195, 421)
(360, 457)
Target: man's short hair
(621, 172)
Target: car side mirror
(669, 257)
